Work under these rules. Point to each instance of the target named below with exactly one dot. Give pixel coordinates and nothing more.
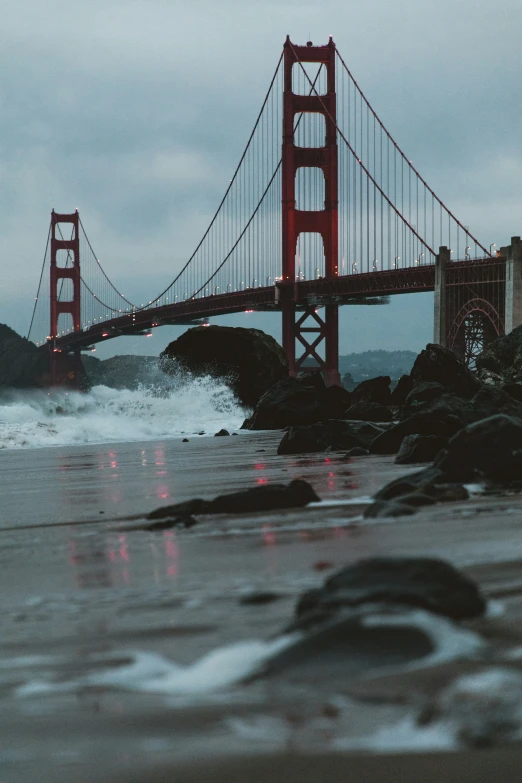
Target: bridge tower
(62, 369)
(301, 322)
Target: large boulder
(401, 391)
(421, 582)
(22, 364)
(298, 401)
(250, 360)
(440, 365)
(366, 410)
(419, 448)
(443, 418)
(332, 434)
(374, 390)
(503, 357)
(488, 449)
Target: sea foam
(38, 418)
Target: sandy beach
(93, 606)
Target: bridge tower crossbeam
(295, 221)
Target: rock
(503, 357)
(266, 497)
(436, 420)
(422, 393)
(287, 404)
(249, 359)
(385, 508)
(185, 440)
(366, 410)
(259, 598)
(419, 448)
(417, 499)
(514, 390)
(420, 481)
(374, 390)
(401, 391)
(334, 434)
(440, 365)
(221, 433)
(298, 401)
(23, 365)
(357, 451)
(491, 400)
(335, 402)
(487, 449)
(425, 583)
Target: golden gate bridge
(324, 209)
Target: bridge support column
(297, 221)
(513, 311)
(439, 304)
(70, 270)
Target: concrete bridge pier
(513, 306)
(439, 304)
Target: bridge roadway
(364, 288)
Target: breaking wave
(38, 418)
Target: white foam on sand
(39, 418)
(405, 735)
(151, 673)
(226, 666)
(449, 640)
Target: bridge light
(395, 263)
(375, 265)
(491, 248)
(466, 254)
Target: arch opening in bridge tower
(65, 291)
(64, 259)
(65, 324)
(317, 75)
(309, 256)
(309, 189)
(310, 130)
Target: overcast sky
(136, 111)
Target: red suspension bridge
(332, 214)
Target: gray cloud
(136, 112)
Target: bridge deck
(349, 289)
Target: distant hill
(370, 364)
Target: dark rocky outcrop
(503, 357)
(22, 364)
(489, 449)
(221, 433)
(443, 420)
(356, 451)
(337, 435)
(267, 497)
(298, 401)
(401, 391)
(366, 410)
(441, 365)
(374, 390)
(249, 359)
(419, 448)
(422, 393)
(425, 583)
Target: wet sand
(82, 588)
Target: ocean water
(39, 418)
